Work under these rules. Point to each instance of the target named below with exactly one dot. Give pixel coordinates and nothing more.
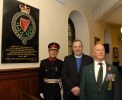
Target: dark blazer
(89, 89)
(70, 76)
(50, 70)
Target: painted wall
(107, 39)
(53, 26)
(115, 38)
(120, 53)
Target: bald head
(99, 52)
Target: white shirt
(96, 69)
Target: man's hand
(42, 96)
(75, 91)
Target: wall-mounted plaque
(20, 33)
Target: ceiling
(107, 11)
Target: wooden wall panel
(13, 82)
(15, 88)
(34, 86)
(25, 84)
(5, 91)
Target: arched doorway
(81, 29)
(107, 40)
(120, 53)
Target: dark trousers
(52, 96)
(71, 97)
(51, 91)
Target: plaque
(20, 33)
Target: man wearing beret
(50, 74)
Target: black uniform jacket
(50, 70)
(70, 76)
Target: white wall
(107, 39)
(53, 26)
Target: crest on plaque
(23, 24)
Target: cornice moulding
(105, 8)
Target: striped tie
(100, 76)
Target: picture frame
(96, 40)
(115, 52)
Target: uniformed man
(50, 74)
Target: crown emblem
(24, 8)
(23, 24)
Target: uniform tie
(100, 76)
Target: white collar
(78, 56)
(96, 63)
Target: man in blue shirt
(71, 71)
